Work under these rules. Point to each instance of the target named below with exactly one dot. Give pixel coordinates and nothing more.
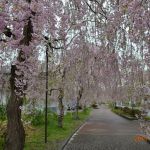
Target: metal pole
(46, 95)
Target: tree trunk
(61, 108)
(15, 137)
(77, 110)
(78, 100)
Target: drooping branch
(51, 90)
(95, 12)
(50, 43)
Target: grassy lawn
(147, 118)
(35, 134)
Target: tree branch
(95, 12)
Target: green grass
(56, 135)
(147, 118)
(35, 139)
(2, 128)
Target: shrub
(85, 110)
(137, 112)
(2, 113)
(112, 105)
(38, 118)
(94, 105)
(80, 107)
(147, 118)
(129, 112)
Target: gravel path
(107, 131)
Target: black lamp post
(46, 94)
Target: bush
(2, 113)
(147, 118)
(85, 110)
(137, 112)
(132, 112)
(38, 118)
(94, 105)
(129, 112)
(112, 105)
(80, 107)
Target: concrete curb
(129, 118)
(124, 116)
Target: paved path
(107, 131)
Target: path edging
(124, 116)
(76, 130)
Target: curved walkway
(107, 131)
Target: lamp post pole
(46, 94)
